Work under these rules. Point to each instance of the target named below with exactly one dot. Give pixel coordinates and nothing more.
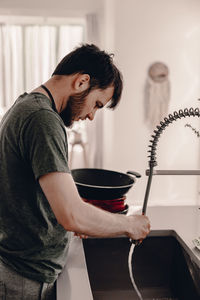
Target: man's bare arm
(78, 216)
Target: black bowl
(101, 184)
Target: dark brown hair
(89, 59)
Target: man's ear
(82, 82)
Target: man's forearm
(93, 221)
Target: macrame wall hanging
(157, 93)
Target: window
(30, 48)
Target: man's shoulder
(35, 107)
(32, 109)
(33, 102)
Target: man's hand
(139, 227)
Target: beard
(75, 105)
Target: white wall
(145, 32)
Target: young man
(39, 202)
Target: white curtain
(40, 54)
(68, 38)
(94, 129)
(11, 65)
(29, 54)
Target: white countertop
(183, 222)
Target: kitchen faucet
(153, 145)
(150, 172)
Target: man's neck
(58, 90)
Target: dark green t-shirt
(33, 142)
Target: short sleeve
(43, 143)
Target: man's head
(98, 68)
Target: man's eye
(99, 105)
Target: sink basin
(162, 269)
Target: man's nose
(91, 115)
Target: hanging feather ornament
(157, 93)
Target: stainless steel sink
(162, 269)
